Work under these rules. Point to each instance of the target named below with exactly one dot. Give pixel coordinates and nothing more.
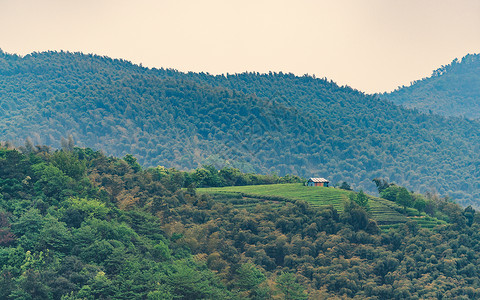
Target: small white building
(317, 182)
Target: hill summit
(452, 90)
(267, 123)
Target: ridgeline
(267, 123)
(452, 90)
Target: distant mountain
(452, 90)
(257, 122)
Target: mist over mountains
(452, 90)
(264, 123)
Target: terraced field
(317, 196)
(387, 214)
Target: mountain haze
(257, 122)
(452, 90)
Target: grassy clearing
(387, 214)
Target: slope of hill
(257, 122)
(452, 90)
(80, 225)
(386, 213)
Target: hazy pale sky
(371, 45)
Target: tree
(455, 214)
(160, 295)
(69, 164)
(291, 289)
(31, 285)
(191, 283)
(132, 162)
(381, 184)
(208, 176)
(390, 193)
(29, 226)
(249, 277)
(345, 186)
(404, 198)
(68, 144)
(232, 176)
(51, 180)
(28, 148)
(355, 215)
(469, 214)
(420, 203)
(361, 199)
(54, 235)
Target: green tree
(31, 285)
(249, 277)
(361, 199)
(420, 203)
(54, 235)
(132, 162)
(291, 289)
(469, 214)
(161, 251)
(190, 283)
(160, 295)
(345, 186)
(52, 181)
(404, 198)
(381, 184)
(69, 164)
(355, 215)
(390, 193)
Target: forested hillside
(452, 90)
(257, 122)
(76, 224)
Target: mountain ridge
(267, 123)
(451, 90)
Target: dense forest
(76, 224)
(259, 123)
(452, 90)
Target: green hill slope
(385, 212)
(260, 123)
(452, 90)
(76, 224)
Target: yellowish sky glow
(371, 45)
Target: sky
(370, 45)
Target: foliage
(381, 184)
(290, 288)
(209, 176)
(345, 186)
(360, 199)
(62, 237)
(404, 198)
(257, 123)
(452, 90)
(382, 211)
(117, 232)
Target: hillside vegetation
(385, 213)
(452, 90)
(76, 224)
(264, 123)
